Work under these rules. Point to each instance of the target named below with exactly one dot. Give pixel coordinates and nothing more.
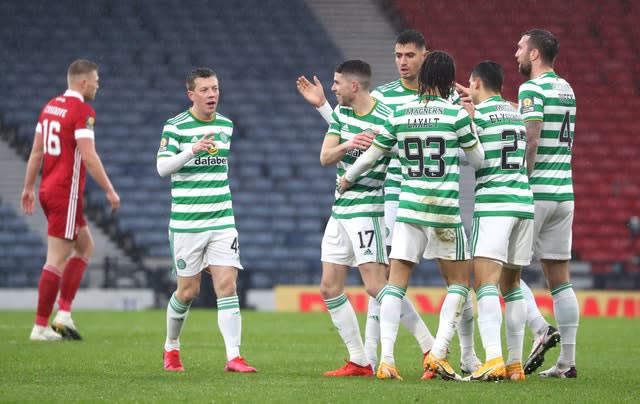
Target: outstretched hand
(312, 92)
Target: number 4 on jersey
(565, 131)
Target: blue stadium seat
(143, 61)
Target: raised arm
(314, 94)
(169, 165)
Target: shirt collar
(73, 93)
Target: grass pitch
(120, 360)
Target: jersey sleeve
(530, 102)
(169, 142)
(454, 97)
(334, 125)
(85, 120)
(387, 138)
(464, 130)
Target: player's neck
(484, 95)
(201, 116)
(363, 104)
(411, 84)
(537, 71)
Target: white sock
(230, 324)
(535, 320)
(450, 314)
(465, 331)
(390, 320)
(412, 321)
(515, 318)
(565, 307)
(177, 313)
(489, 320)
(372, 332)
(345, 321)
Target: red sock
(71, 278)
(47, 291)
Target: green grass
(121, 360)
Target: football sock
(536, 322)
(345, 321)
(489, 320)
(48, 287)
(567, 313)
(450, 314)
(230, 324)
(71, 278)
(390, 321)
(465, 330)
(372, 331)
(412, 321)
(176, 316)
(515, 318)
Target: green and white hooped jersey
(200, 194)
(502, 186)
(550, 99)
(394, 94)
(365, 198)
(429, 133)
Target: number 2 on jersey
(504, 155)
(51, 138)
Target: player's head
(350, 78)
(486, 77)
(537, 46)
(203, 91)
(82, 76)
(437, 74)
(410, 52)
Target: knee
(225, 288)
(84, 250)
(187, 294)
(373, 290)
(329, 291)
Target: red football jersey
(63, 120)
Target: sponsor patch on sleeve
(527, 105)
(163, 144)
(91, 121)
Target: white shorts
(354, 241)
(413, 241)
(552, 230)
(193, 252)
(502, 238)
(390, 212)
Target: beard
(525, 69)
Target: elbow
(162, 171)
(324, 161)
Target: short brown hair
(81, 66)
(200, 72)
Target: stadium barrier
(593, 303)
